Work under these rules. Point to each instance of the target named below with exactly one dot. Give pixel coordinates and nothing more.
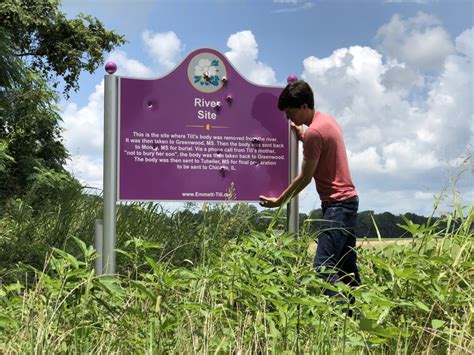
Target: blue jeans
(336, 258)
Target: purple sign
(201, 133)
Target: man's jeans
(336, 258)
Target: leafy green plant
(206, 281)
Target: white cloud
(367, 160)
(464, 43)
(305, 6)
(422, 195)
(129, 67)
(83, 133)
(164, 47)
(401, 79)
(243, 55)
(400, 201)
(419, 41)
(402, 127)
(449, 112)
(411, 1)
(83, 126)
(87, 169)
(408, 156)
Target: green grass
(216, 285)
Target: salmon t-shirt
(323, 141)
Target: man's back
(323, 141)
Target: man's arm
(308, 168)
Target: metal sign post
(110, 167)
(292, 214)
(98, 245)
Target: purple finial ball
(110, 67)
(291, 78)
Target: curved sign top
(201, 133)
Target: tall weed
(214, 284)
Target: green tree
(39, 49)
(51, 44)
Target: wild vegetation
(217, 284)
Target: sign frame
(237, 75)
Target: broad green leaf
(67, 257)
(111, 285)
(151, 245)
(437, 323)
(145, 291)
(422, 306)
(89, 283)
(153, 265)
(128, 255)
(82, 245)
(366, 324)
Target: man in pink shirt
(325, 160)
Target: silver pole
(99, 246)
(292, 217)
(110, 170)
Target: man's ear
(304, 106)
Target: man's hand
(269, 202)
(298, 130)
(308, 167)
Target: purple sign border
(192, 53)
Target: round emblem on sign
(205, 72)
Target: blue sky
(398, 75)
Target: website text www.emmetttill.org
(217, 194)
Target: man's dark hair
(295, 94)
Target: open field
(386, 241)
(373, 242)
